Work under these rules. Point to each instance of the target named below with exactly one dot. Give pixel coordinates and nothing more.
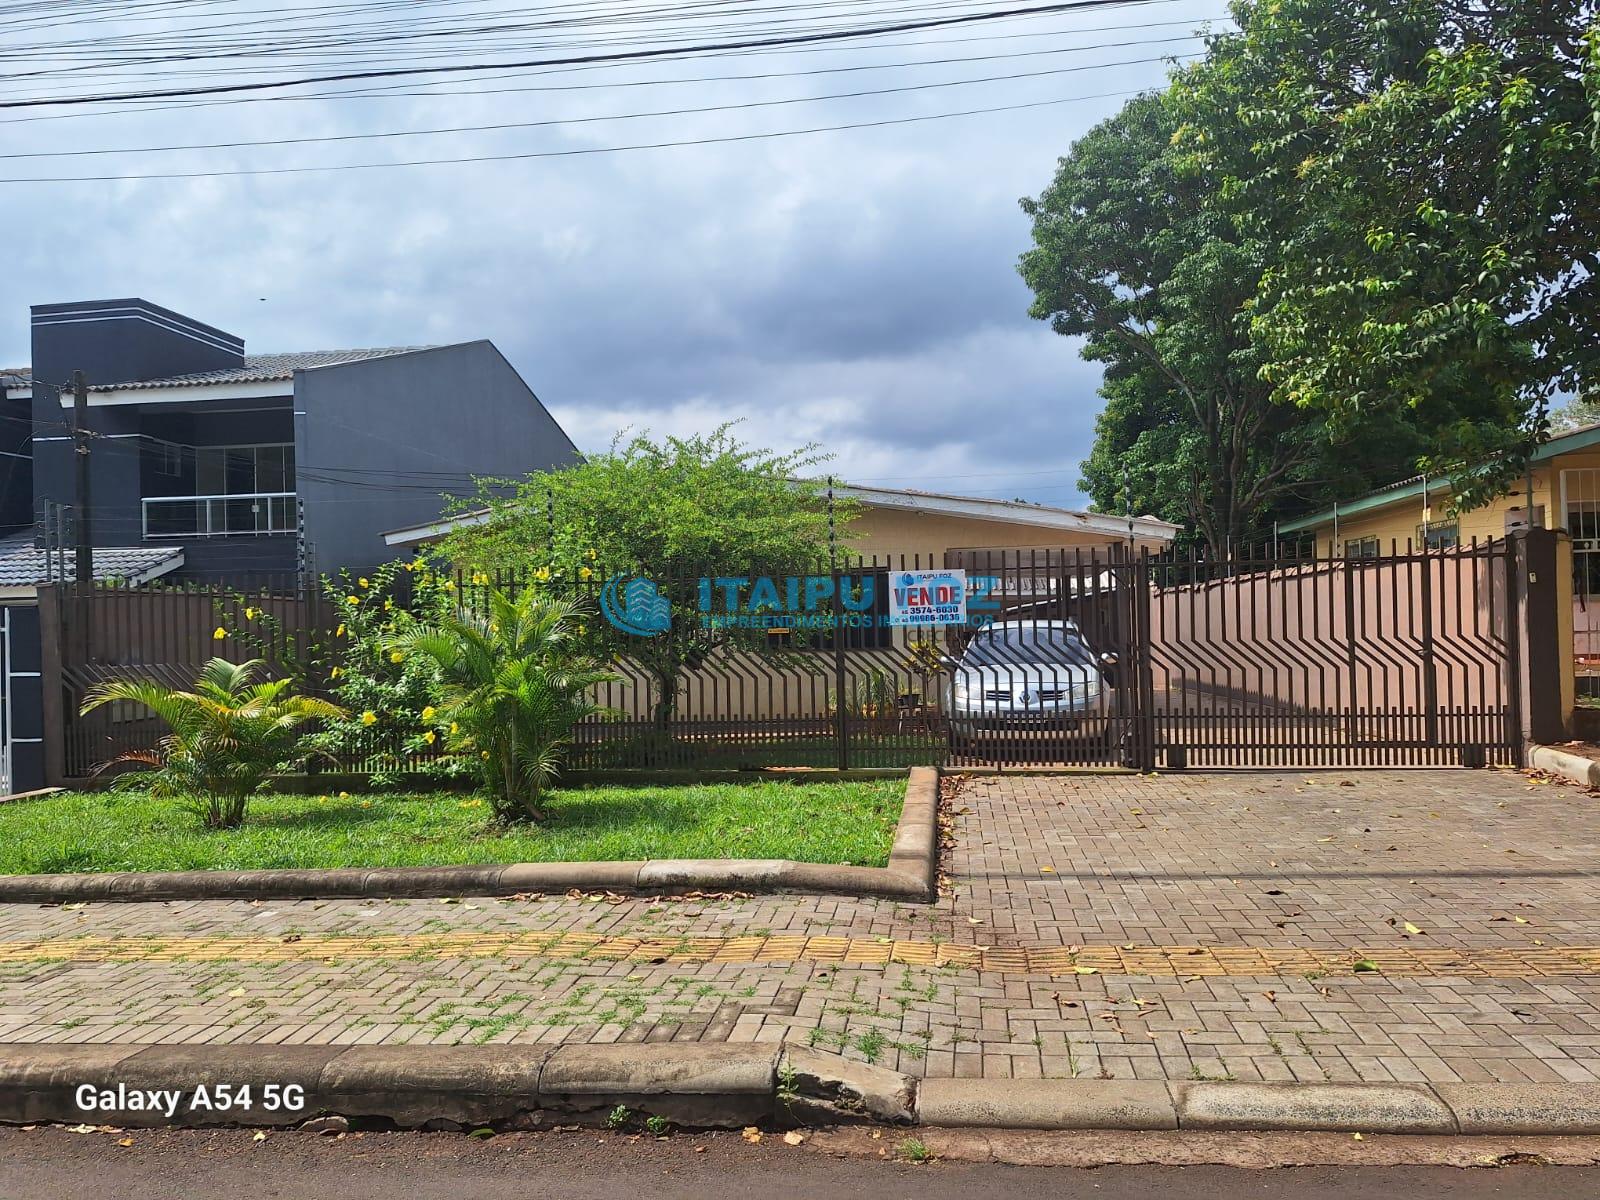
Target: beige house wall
(888, 531)
(1399, 522)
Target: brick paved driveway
(1178, 926)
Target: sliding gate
(1261, 660)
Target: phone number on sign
(216, 1097)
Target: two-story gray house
(255, 463)
(210, 463)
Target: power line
(572, 152)
(616, 56)
(631, 116)
(400, 91)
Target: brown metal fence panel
(1092, 656)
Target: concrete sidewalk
(1202, 927)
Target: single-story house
(1565, 494)
(932, 527)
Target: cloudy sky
(856, 288)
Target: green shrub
(228, 735)
(391, 727)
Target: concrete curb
(1569, 766)
(910, 875)
(709, 1085)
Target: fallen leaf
(124, 1141)
(1355, 1137)
(1362, 965)
(1087, 970)
(261, 1136)
(236, 993)
(795, 1138)
(1410, 928)
(751, 1134)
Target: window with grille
(1438, 535)
(1366, 547)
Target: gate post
(1540, 654)
(52, 710)
(1139, 571)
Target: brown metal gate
(1266, 659)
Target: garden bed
(845, 822)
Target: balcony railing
(218, 516)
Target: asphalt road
(588, 1166)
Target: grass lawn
(845, 822)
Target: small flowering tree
(392, 719)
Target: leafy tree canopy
(671, 511)
(1359, 237)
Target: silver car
(1021, 675)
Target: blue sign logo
(635, 605)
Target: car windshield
(1011, 646)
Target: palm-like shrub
(513, 685)
(227, 735)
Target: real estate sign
(928, 598)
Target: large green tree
(1131, 255)
(1357, 239)
(669, 511)
(1425, 173)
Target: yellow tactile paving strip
(1160, 961)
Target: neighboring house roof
(1582, 438)
(24, 566)
(1015, 512)
(262, 368)
(15, 379)
(982, 508)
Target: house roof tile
(263, 368)
(25, 565)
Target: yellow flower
(454, 728)
(472, 804)
(449, 585)
(339, 632)
(430, 737)
(218, 633)
(585, 573)
(249, 614)
(344, 795)
(484, 753)
(335, 673)
(411, 566)
(362, 582)
(388, 605)
(593, 554)
(352, 601)
(395, 656)
(427, 713)
(479, 577)
(366, 804)
(369, 717)
(543, 573)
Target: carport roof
(24, 565)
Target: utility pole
(80, 446)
